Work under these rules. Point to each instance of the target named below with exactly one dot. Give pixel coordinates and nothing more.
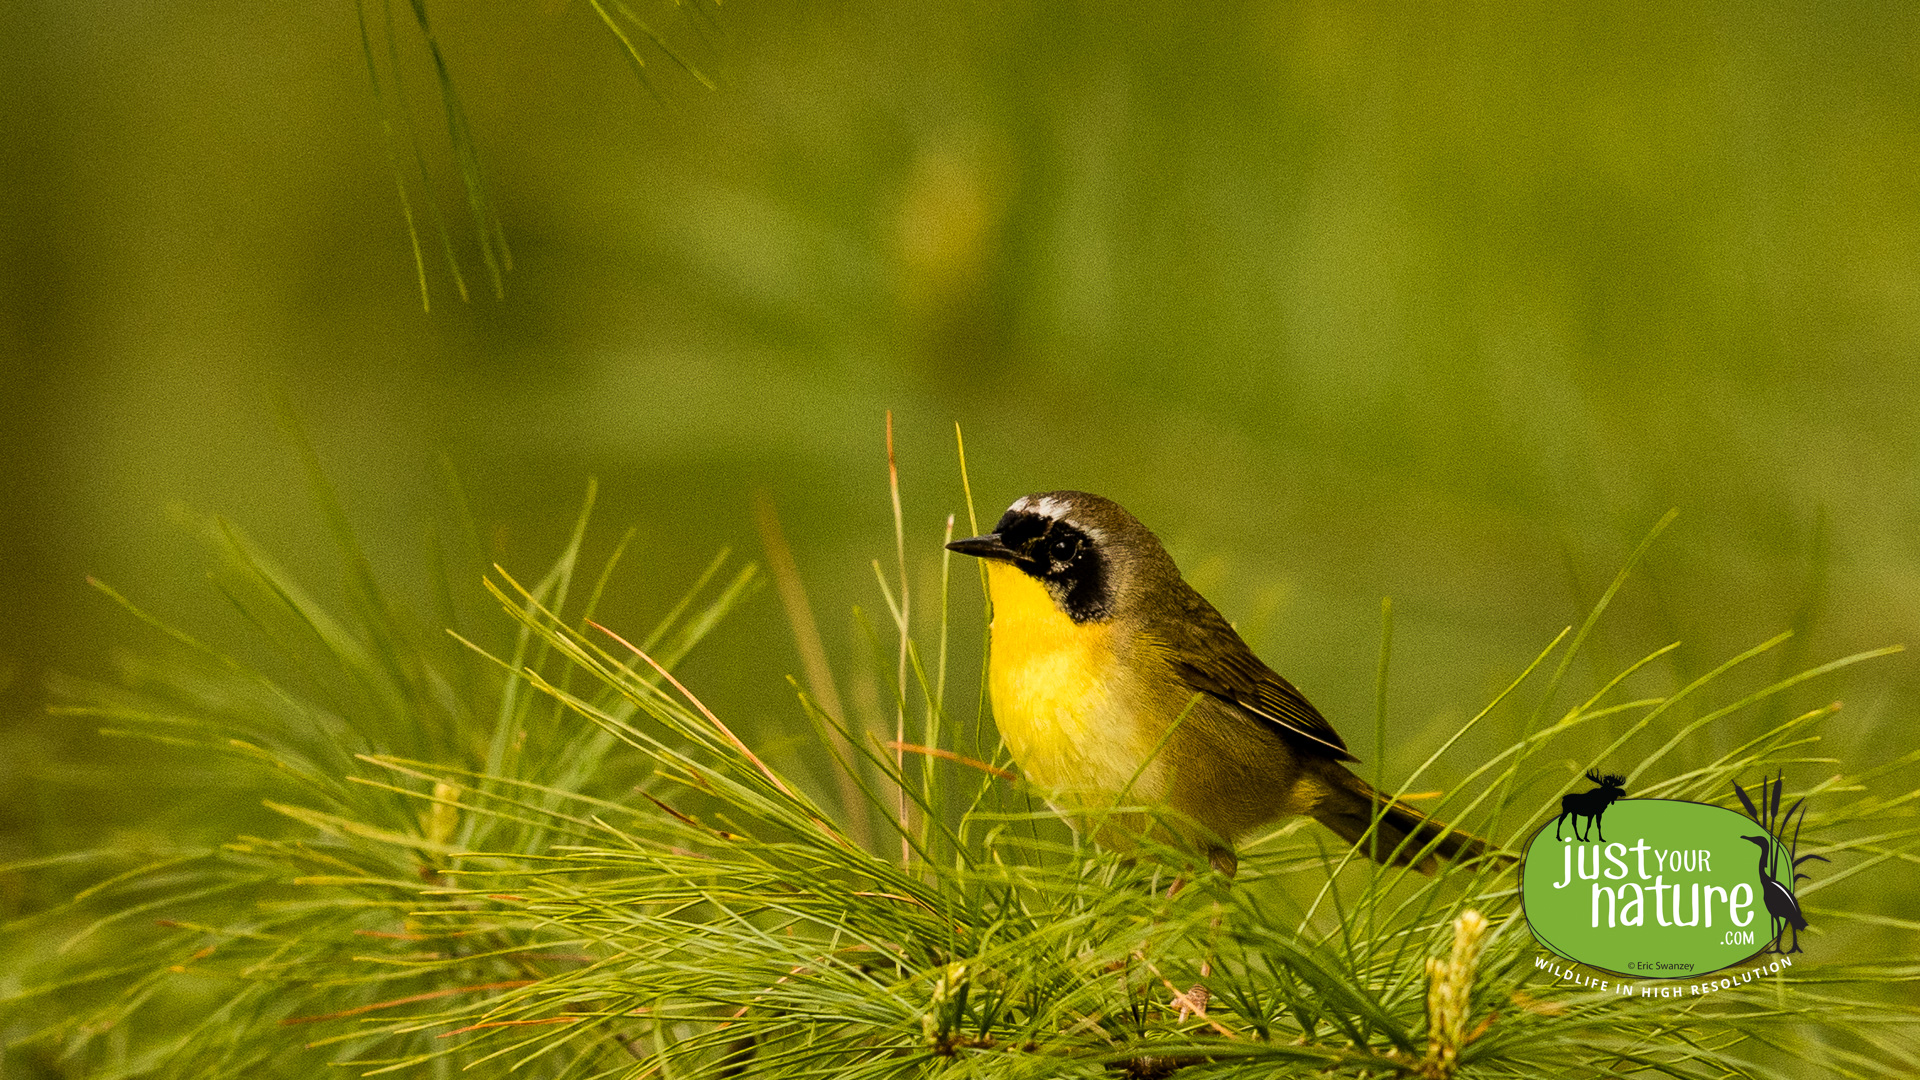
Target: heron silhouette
(1780, 902)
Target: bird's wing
(1213, 659)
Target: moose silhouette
(1590, 804)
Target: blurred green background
(1345, 300)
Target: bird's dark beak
(984, 547)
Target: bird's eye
(1064, 549)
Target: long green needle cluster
(548, 858)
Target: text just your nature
(1626, 903)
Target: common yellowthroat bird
(1100, 647)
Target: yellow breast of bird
(1071, 724)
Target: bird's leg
(1194, 1001)
(1213, 934)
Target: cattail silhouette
(1778, 898)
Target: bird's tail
(1406, 836)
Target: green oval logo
(1656, 888)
